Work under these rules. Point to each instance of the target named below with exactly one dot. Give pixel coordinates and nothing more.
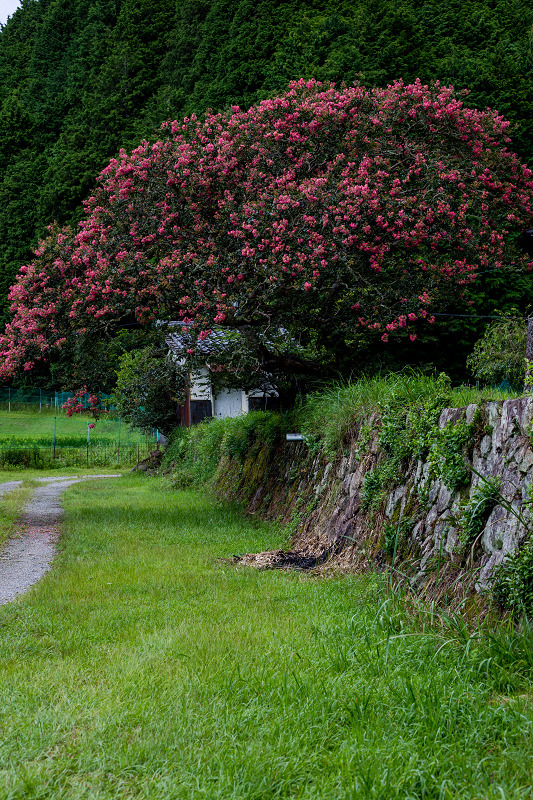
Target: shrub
(501, 352)
(194, 454)
(513, 585)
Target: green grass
(143, 666)
(334, 411)
(11, 505)
(30, 474)
(30, 426)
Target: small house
(203, 401)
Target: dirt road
(28, 556)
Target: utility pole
(55, 425)
(528, 382)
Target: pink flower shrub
(383, 202)
(74, 405)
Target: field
(148, 665)
(44, 440)
(38, 427)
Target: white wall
(230, 403)
(201, 385)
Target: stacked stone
(503, 451)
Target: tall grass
(334, 411)
(144, 666)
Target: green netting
(44, 399)
(35, 432)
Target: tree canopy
(333, 215)
(81, 78)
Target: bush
(513, 586)
(150, 382)
(501, 352)
(194, 454)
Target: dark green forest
(81, 78)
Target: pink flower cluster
(372, 205)
(93, 407)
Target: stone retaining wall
(323, 500)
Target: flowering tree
(85, 403)
(329, 214)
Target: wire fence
(13, 456)
(42, 400)
(36, 433)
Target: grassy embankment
(327, 418)
(143, 666)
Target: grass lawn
(143, 666)
(32, 425)
(11, 505)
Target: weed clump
(478, 509)
(194, 454)
(513, 585)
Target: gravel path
(27, 556)
(8, 486)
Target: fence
(90, 455)
(35, 432)
(42, 400)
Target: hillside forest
(80, 79)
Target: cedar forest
(82, 79)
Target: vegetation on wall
(402, 410)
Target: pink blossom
(232, 212)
